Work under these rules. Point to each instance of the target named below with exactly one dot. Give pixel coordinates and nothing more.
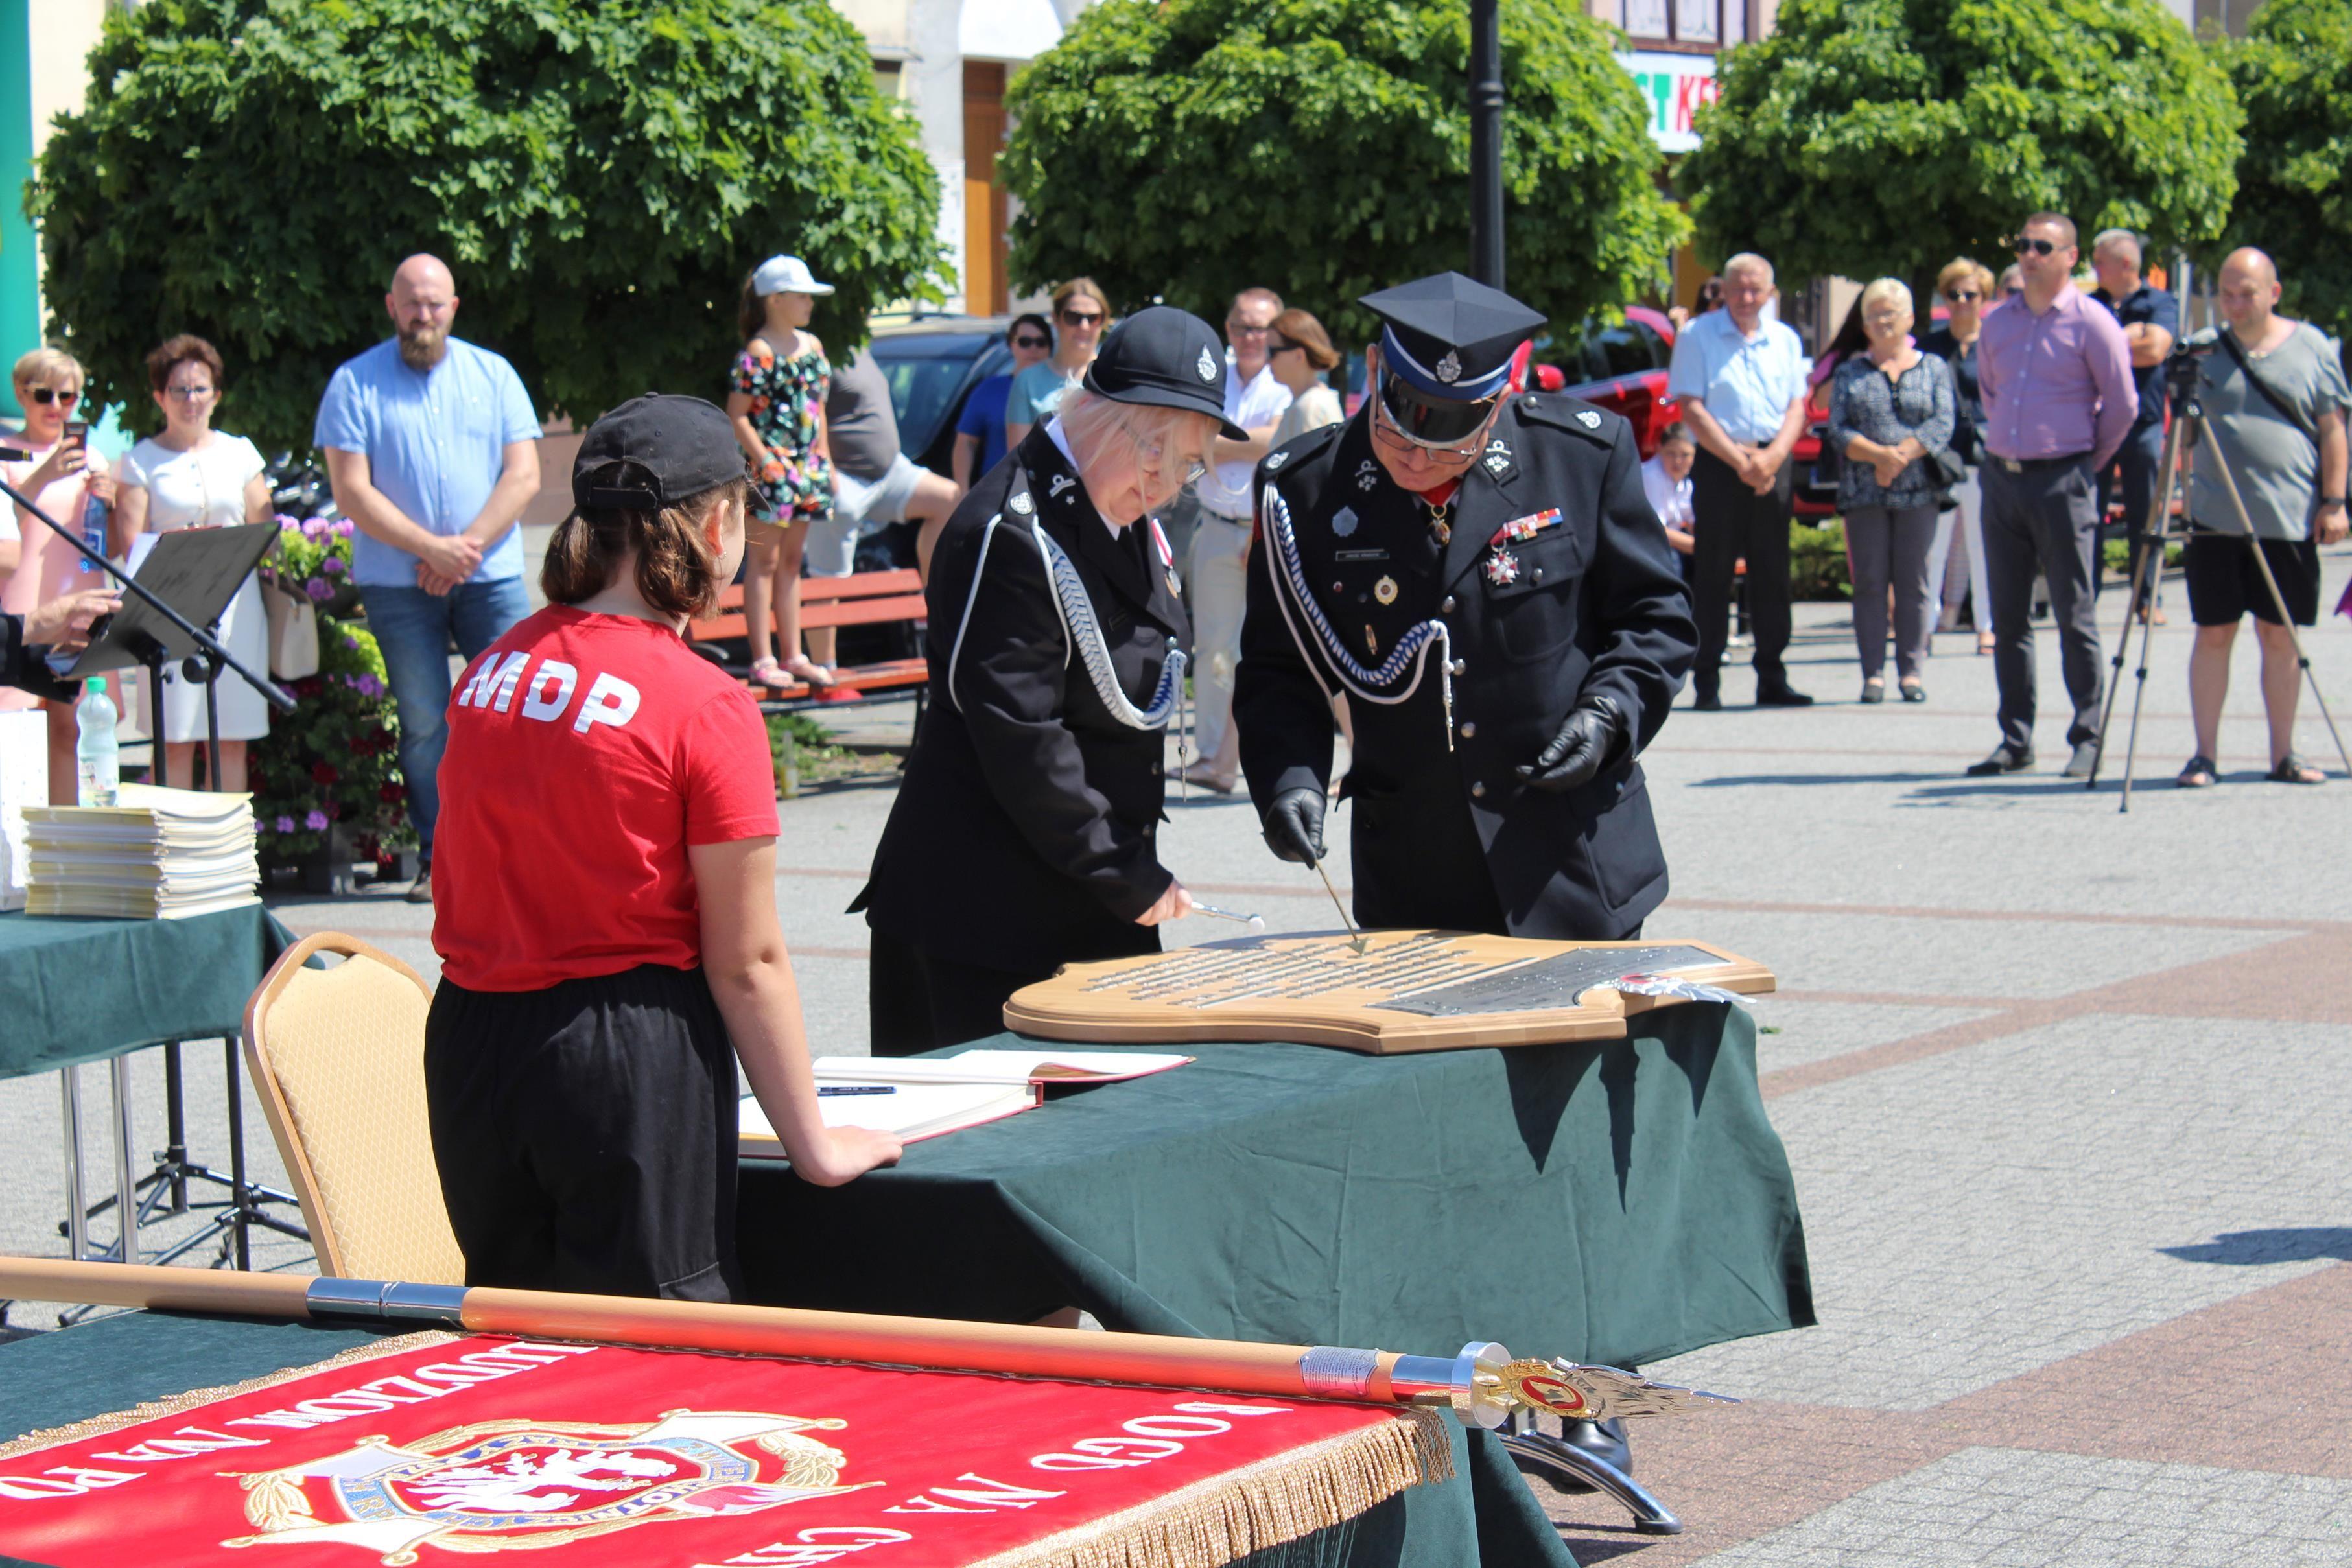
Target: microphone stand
(243, 1208)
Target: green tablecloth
(1615, 1203)
(80, 991)
(1484, 1518)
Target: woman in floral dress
(776, 399)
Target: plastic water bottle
(97, 754)
(93, 531)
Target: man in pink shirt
(2054, 369)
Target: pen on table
(823, 1089)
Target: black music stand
(200, 569)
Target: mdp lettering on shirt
(547, 691)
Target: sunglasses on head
(1279, 346)
(48, 395)
(1961, 295)
(2034, 246)
(1081, 318)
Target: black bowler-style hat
(685, 445)
(1166, 358)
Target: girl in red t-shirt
(606, 909)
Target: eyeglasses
(1032, 342)
(1279, 346)
(2034, 246)
(45, 396)
(1244, 330)
(1153, 454)
(188, 395)
(1431, 425)
(1081, 318)
(1962, 295)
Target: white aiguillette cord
(1411, 649)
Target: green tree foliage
(1185, 150)
(599, 176)
(1885, 137)
(2294, 76)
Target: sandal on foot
(770, 674)
(2293, 769)
(1984, 645)
(2199, 773)
(808, 672)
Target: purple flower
(342, 528)
(286, 824)
(370, 687)
(319, 590)
(314, 529)
(316, 821)
(332, 566)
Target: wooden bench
(861, 599)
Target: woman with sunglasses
(980, 428)
(1024, 834)
(1081, 315)
(61, 475)
(1967, 287)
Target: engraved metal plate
(1554, 982)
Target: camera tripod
(2187, 425)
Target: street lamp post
(1485, 143)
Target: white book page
(997, 1066)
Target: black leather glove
(1293, 825)
(1587, 742)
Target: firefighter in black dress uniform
(1478, 571)
(1024, 835)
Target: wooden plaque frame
(1297, 988)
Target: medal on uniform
(1167, 560)
(1371, 642)
(1526, 527)
(1502, 568)
(1385, 590)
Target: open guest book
(912, 1111)
(1400, 991)
(1039, 1067)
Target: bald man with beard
(2275, 400)
(432, 449)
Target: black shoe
(1780, 693)
(2086, 756)
(1707, 699)
(1871, 692)
(2002, 760)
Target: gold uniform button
(1478, 791)
(1469, 728)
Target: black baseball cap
(1166, 358)
(685, 445)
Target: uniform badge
(1385, 590)
(1502, 568)
(1590, 420)
(1343, 521)
(1496, 463)
(1060, 483)
(1371, 642)
(1207, 366)
(1367, 474)
(1276, 459)
(1449, 369)
(1020, 503)
(1499, 445)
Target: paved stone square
(2064, 1091)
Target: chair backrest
(337, 1056)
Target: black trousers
(1731, 520)
(586, 1135)
(918, 1001)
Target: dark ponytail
(750, 311)
(677, 573)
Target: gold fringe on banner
(99, 1425)
(1254, 1509)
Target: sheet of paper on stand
(910, 1112)
(156, 853)
(999, 1067)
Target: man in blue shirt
(432, 450)
(980, 428)
(1741, 375)
(2151, 319)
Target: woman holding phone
(62, 476)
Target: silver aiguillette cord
(1355, 937)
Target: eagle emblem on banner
(496, 1486)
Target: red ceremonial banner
(439, 1445)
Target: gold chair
(338, 1058)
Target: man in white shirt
(1741, 375)
(1220, 552)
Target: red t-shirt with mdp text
(586, 753)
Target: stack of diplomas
(156, 854)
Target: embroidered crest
(1449, 369)
(498, 1485)
(1343, 521)
(1502, 568)
(1385, 590)
(1207, 366)
(1590, 420)
(1060, 483)
(1020, 503)
(1276, 460)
